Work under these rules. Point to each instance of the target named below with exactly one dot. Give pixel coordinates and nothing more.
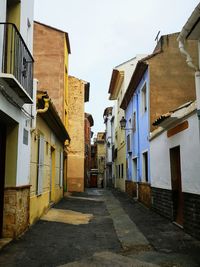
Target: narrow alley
(102, 228)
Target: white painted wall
(190, 158)
(108, 139)
(2, 19)
(27, 8)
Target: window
(145, 166)
(119, 171)
(144, 98)
(134, 173)
(40, 171)
(122, 170)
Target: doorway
(177, 195)
(2, 171)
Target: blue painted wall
(139, 137)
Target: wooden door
(177, 194)
(2, 171)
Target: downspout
(138, 142)
(46, 106)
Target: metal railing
(15, 57)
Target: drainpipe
(46, 106)
(197, 72)
(138, 137)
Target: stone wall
(16, 211)
(162, 202)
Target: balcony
(16, 62)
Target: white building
(175, 168)
(109, 146)
(16, 99)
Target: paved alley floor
(102, 228)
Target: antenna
(157, 36)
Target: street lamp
(123, 124)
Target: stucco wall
(75, 169)
(49, 67)
(189, 152)
(171, 80)
(51, 178)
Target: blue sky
(105, 33)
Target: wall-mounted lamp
(108, 144)
(123, 124)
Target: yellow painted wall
(13, 14)
(121, 154)
(11, 155)
(75, 166)
(39, 203)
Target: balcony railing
(15, 57)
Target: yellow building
(101, 156)
(78, 94)
(51, 47)
(47, 147)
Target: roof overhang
(140, 69)
(53, 120)
(90, 119)
(191, 30)
(115, 83)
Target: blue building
(160, 83)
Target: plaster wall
(188, 140)
(51, 189)
(172, 82)
(2, 19)
(139, 137)
(26, 22)
(17, 173)
(48, 50)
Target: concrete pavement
(102, 228)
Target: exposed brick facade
(191, 221)
(16, 211)
(162, 202)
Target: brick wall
(162, 202)
(191, 222)
(16, 211)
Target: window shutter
(40, 164)
(61, 168)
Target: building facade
(101, 157)
(159, 83)
(51, 47)
(78, 94)
(120, 79)
(175, 167)
(89, 122)
(48, 137)
(109, 142)
(16, 98)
